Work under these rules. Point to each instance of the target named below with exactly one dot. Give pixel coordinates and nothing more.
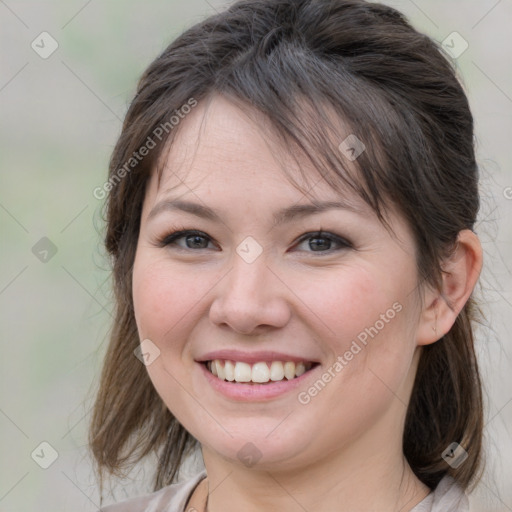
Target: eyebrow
(281, 217)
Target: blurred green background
(60, 117)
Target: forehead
(220, 146)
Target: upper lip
(253, 357)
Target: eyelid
(343, 242)
(181, 233)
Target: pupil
(196, 241)
(319, 243)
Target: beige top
(447, 497)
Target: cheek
(165, 299)
(167, 304)
(353, 301)
(366, 315)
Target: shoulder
(448, 496)
(171, 498)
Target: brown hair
(292, 60)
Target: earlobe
(460, 272)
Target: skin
(343, 449)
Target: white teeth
(259, 372)
(289, 370)
(243, 372)
(276, 371)
(229, 371)
(220, 369)
(300, 368)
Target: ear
(460, 273)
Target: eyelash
(172, 237)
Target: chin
(259, 445)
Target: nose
(250, 299)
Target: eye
(322, 242)
(187, 239)
(318, 241)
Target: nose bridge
(248, 280)
(250, 268)
(250, 296)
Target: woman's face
(257, 285)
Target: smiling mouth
(258, 373)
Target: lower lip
(253, 392)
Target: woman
(290, 214)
